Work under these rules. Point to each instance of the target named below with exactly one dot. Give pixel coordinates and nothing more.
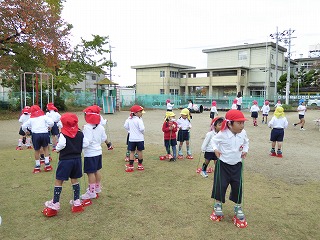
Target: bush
(287, 107)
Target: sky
(145, 32)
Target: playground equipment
(107, 93)
(35, 88)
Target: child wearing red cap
(265, 111)
(24, 138)
(135, 127)
(39, 125)
(95, 134)
(69, 146)
(230, 145)
(170, 128)
(52, 112)
(213, 109)
(184, 126)
(234, 104)
(169, 105)
(254, 112)
(206, 146)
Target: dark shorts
(301, 116)
(22, 133)
(169, 110)
(132, 146)
(40, 140)
(54, 130)
(168, 143)
(239, 107)
(183, 135)
(254, 114)
(265, 114)
(225, 175)
(92, 164)
(212, 115)
(127, 142)
(210, 156)
(277, 135)
(71, 168)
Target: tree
(281, 85)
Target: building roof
(245, 46)
(105, 81)
(159, 65)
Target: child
(190, 107)
(184, 125)
(302, 111)
(234, 104)
(95, 134)
(103, 122)
(39, 124)
(69, 147)
(24, 138)
(278, 104)
(278, 123)
(169, 105)
(239, 101)
(265, 111)
(230, 145)
(170, 128)
(134, 125)
(207, 145)
(213, 109)
(55, 116)
(254, 112)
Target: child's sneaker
(19, 148)
(140, 167)
(279, 153)
(273, 153)
(54, 206)
(88, 195)
(198, 170)
(180, 156)
(217, 214)
(129, 168)
(302, 129)
(76, 206)
(239, 218)
(48, 168)
(29, 147)
(204, 174)
(36, 169)
(169, 156)
(173, 159)
(51, 208)
(189, 157)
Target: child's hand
(243, 155)
(217, 153)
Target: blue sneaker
(204, 174)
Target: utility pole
(288, 71)
(276, 36)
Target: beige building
(248, 68)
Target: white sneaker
(204, 174)
(302, 129)
(76, 203)
(88, 195)
(98, 190)
(54, 206)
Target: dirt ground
(300, 162)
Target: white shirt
(136, 129)
(207, 145)
(281, 122)
(234, 106)
(278, 105)
(55, 116)
(254, 108)
(231, 145)
(62, 142)
(95, 135)
(169, 106)
(214, 109)
(103, 121)
(190, 105)
(23, 118)
(301, 109)
(265, 109)
(239, 100)
(38, 124)
(184, 124)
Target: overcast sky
(176, 31)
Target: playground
(168, 200)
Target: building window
(77, 91)
(242, 55)
(162, 74)
(174, 74)
(93, 77)
(161, 91)
(174, 91)
(271, 74)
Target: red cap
(36, 111)
(233, 115)
(235, 101)
(136, 108)
(26, 109)
(50, 106)
(214, 103)
(92, 114)
(69, 124)
(255, 102)
(266, 102)
(168, 100)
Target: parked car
(314, 102)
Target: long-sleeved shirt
(254, 108)
(281, 122)
(265, 109)
(169, 133)
(169, 106)
(55, 116)
(95, 135)
(184, 124)
(135, 127)
(214, 109)
(231, 145)
(23, 118)
(301, 109)
(38, 124)
(207, 145)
